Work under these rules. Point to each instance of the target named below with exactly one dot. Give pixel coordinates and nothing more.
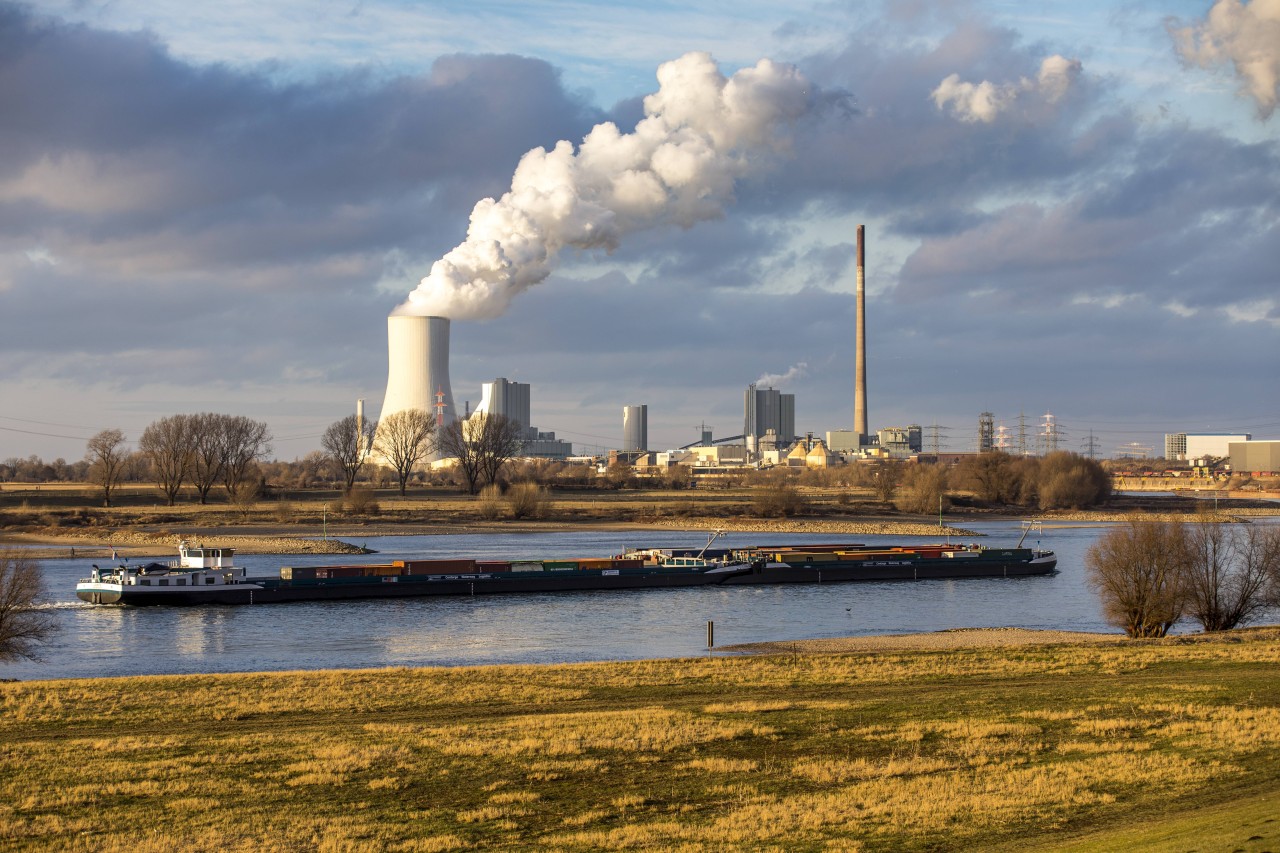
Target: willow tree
(404, 439)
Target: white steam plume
(971, 102)
(701, 131)
(1246, 36)
(770, 380)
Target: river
(543, 628)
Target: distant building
(901, 441)
(512, 400)
(635, 428)
(1175, 446)
(842, 440)
(1255, 457)
(766, 409)
(1215, 444)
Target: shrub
(489, 502)
(923, 490)
(528, 500)
(778, 500)
(362, 502)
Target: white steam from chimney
(701, 132)
(771, 380)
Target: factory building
(1212, 444)
(512, 400)
(1175, 446)
(768, 410)
(509, 399)
(1255, 457)
(635, 428)
(901, 441)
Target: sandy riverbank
(282, 539)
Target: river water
(542, 628)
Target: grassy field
(1170, 744)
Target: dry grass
(904, 750)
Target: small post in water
(711, 636)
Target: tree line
(1149, 575)
(203, 450)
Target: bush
(528, 500)
(923, 490)
(362, 502)
(488, 502)
(778, 500)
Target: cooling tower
(860, 359)
(418, 367)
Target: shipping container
(439, 567)
(492, 566)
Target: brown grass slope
(968, 747)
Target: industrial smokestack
(418, 368)
(860, 361)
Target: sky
(1071, 208)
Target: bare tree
(404, 439)
(1228, 571)
(454, 443)
(347, 441)
(482, 444)
(21, 626)
(208, 448)
(498, 440)
(169, 444)
(244, 442)
(107, 459)
(924, 489)
(1138, 572)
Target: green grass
(1156, 745)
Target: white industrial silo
(635, 428)
(418, 367)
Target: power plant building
(509, 399)
(768, 410)
(1255, 457)
(635, 429)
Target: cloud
(984, 101)
(1247, 36)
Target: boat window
(164, 583)
(182, 581)
(208, 580)
(146, 582)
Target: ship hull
(800, 568)
(274, 591)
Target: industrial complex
(418, 378)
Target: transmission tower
(986, 432)
(936, 431)
(1050, 434)
(1091, 446)
(1022, 434)
(1004, 439)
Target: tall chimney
(860, 360)
(418, 368)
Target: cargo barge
(209, 575)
